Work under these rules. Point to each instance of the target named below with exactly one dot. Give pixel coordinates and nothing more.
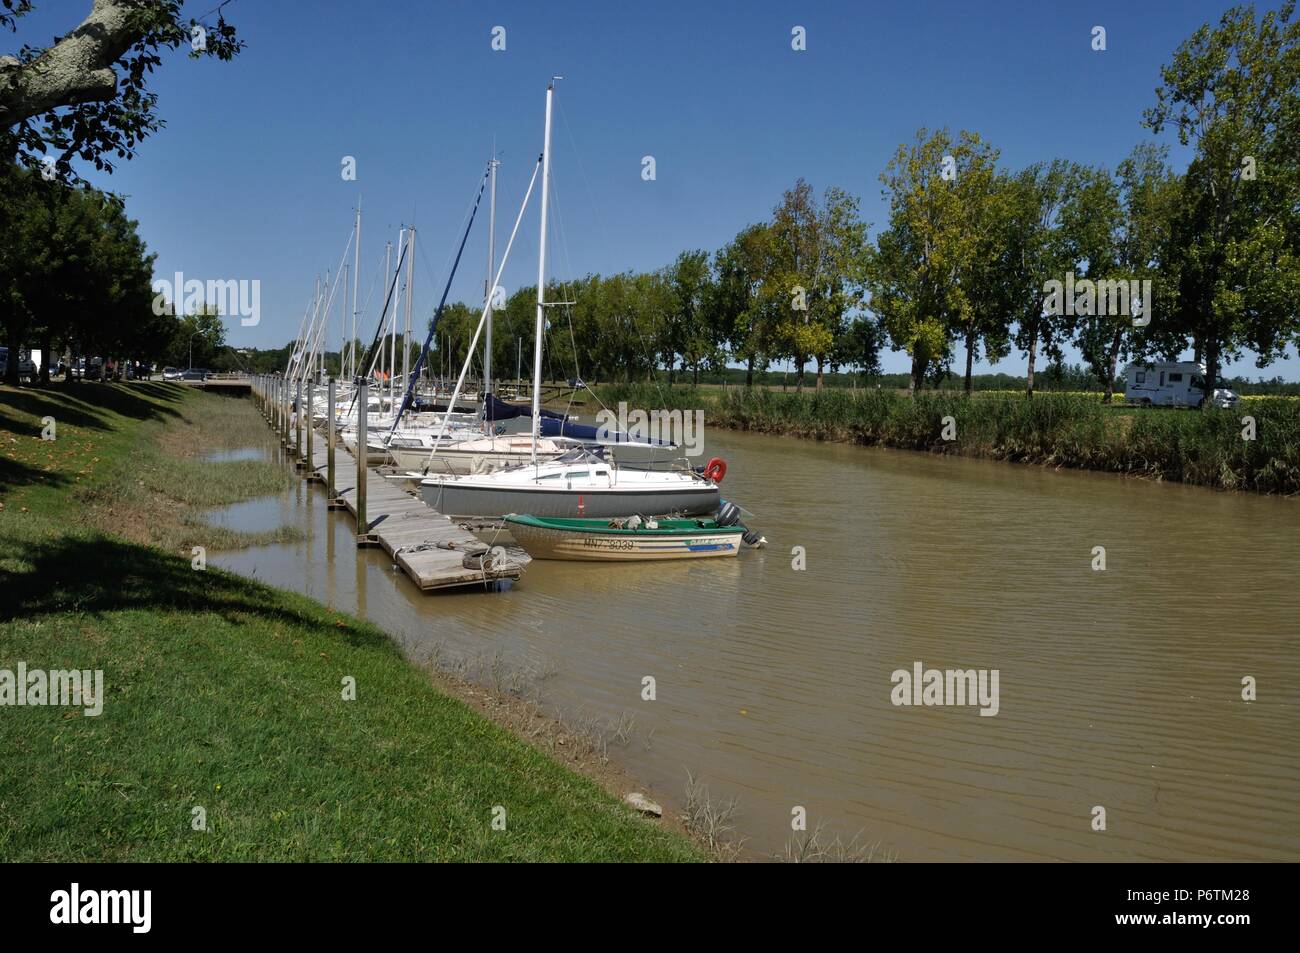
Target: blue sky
(244, 182)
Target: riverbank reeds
(1216, 448)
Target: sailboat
(581, 482)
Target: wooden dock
(432, 550)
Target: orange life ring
(716, 470)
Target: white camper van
(1171, 384)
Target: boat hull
(594, 546)
(451, 499)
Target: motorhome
(1171, 384)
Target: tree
(1038, 253)
(1090, 222)
(86, 94)
(1233, 93)
(922, 275)
(814, 275)
(688, 281)
(1138, 206)
(738, 312)
(74, 270)
(987, 275)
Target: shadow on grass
(96, 574)
(84, 404)
(15, 474)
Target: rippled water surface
(1118, 688)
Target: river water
(1118, 689)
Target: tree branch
(76, 69)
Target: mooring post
(311, 402)
(330, 494)
(297, 423)
(363, 442)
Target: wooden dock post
(331, 494)
(297, 424)
(309, 456)
(363, 454)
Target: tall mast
(325, 324)
(492, 244)
(406, 342)
(541, 272)
(383, 318)
(356, 280)
(392, 342)
(343, 328)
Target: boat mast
(406, 342)
(356, 280)
(492, 244)
(392, 342)
(541, 272)
(383, 321)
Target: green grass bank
(1063, 430)
(225, 695)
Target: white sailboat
(578, 483)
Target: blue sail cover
(555, 424)
(566, 428)
(496, 409)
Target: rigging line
(600, 223)
(366, 353)
(470, 209)
(410, 384)
(374, 281)
(483, 317)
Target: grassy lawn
(224, 694)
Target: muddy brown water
(1120, 689)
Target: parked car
(196, 374)
(26, 366)
(1172, 384)
(172, 373)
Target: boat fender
(716, 469)
(728, 514)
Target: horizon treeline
(980, 261)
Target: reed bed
(1206, 448)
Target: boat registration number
(608, 543)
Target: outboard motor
(728, 514)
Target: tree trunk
(821, 372)
(970, 355)
(1112, 363)
(14, 343)
(1033, 354)
(1211, 371)
(798, 378)
(47, 353)
(749, 373)
(914, 380)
